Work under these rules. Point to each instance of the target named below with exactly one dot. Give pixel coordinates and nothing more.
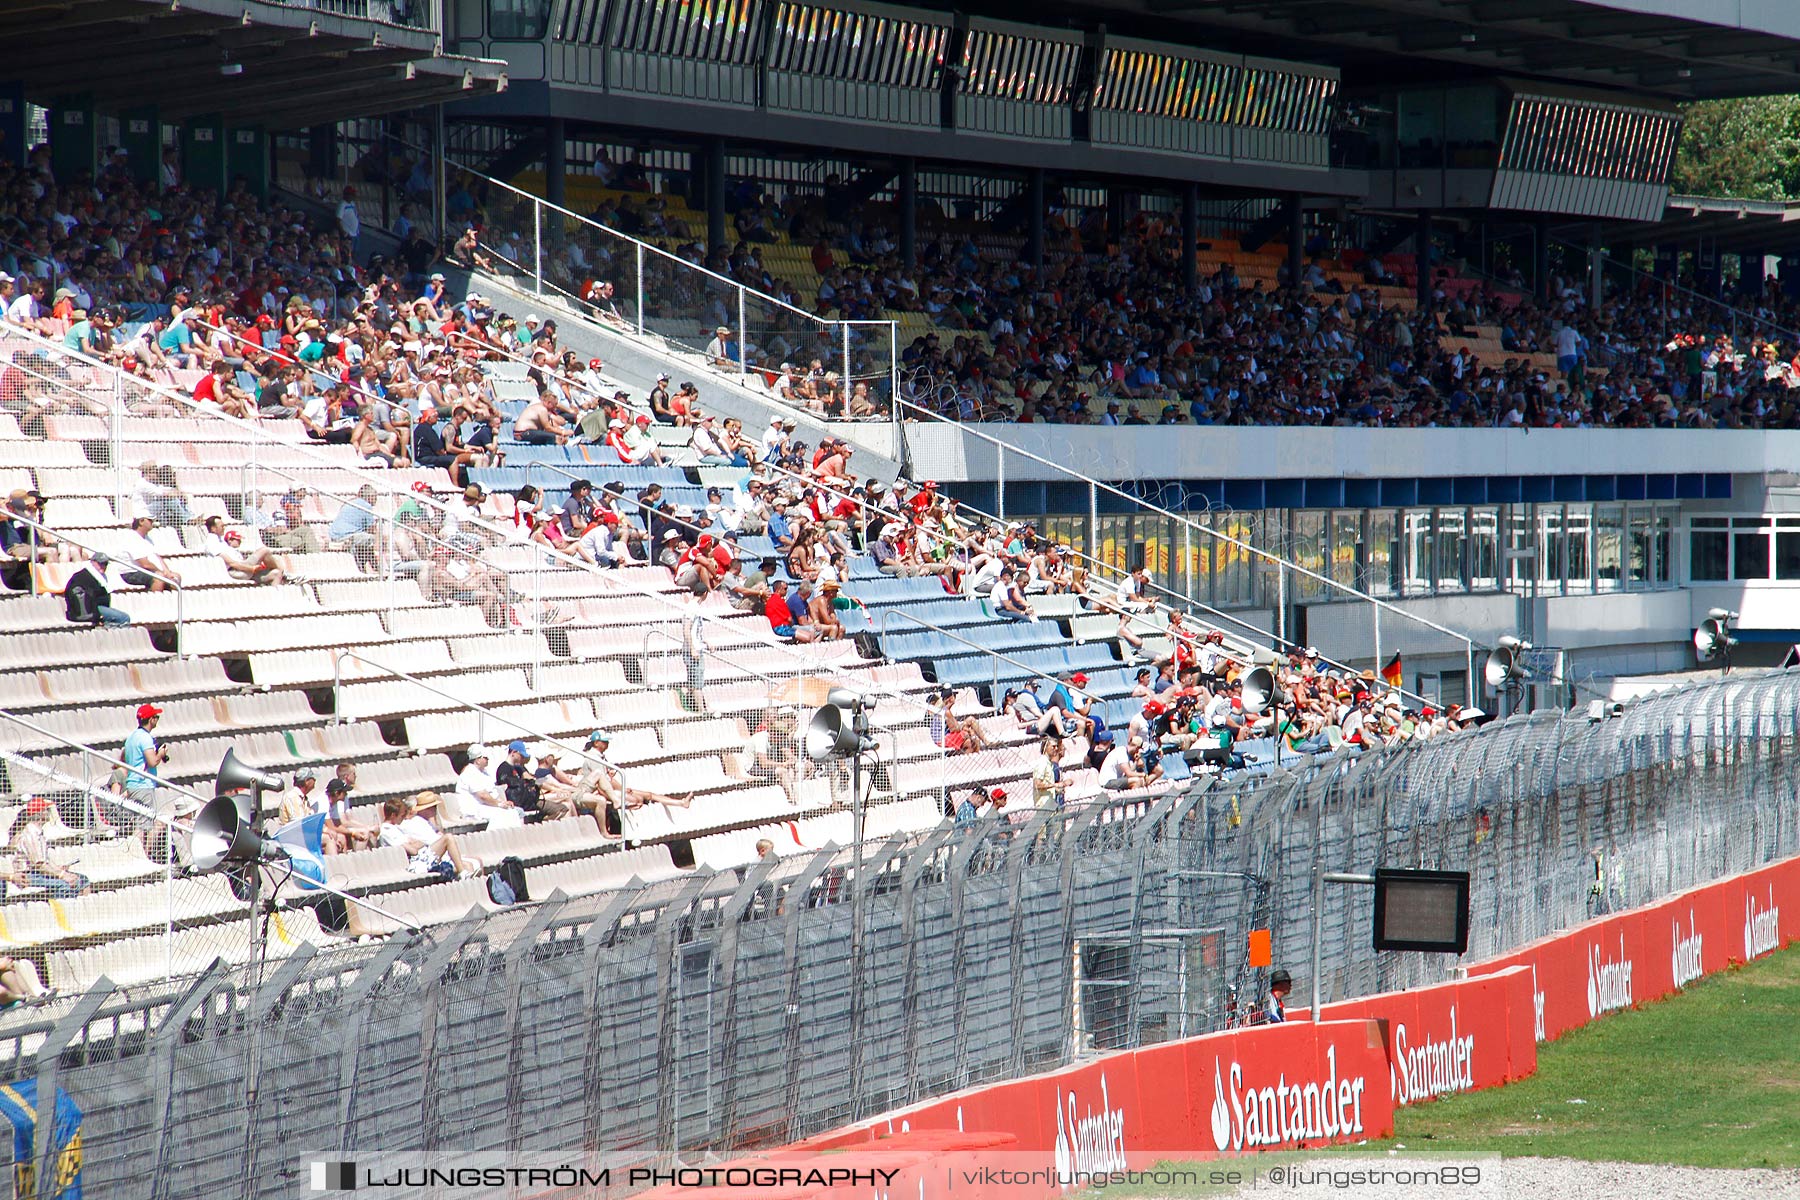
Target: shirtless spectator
(540, 424)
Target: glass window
(1638, 550)
(1750, 548)
(1662, 544)
(1384, 561)
(1709, 549)
(1347, 565)
(518, 20)
(1483, 550)
(1578, 545)
(1420, 558)
(1308, 549)
(1609, 548)
(1787, 554)
(1452, 524)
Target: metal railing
(1095, 487)
(732, 303)
(1172, 599)
(175, 584)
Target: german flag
(1393, 674)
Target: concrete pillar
(1190, 237)
(12, 122)
(203, 152)
(909, 212)
(556, 161)
(1422, 257)
(73, 134)
(1296, 239)
(715, 192)
(1034, 218)
(140, 136)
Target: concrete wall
(949, 452)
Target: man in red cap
(142, 756)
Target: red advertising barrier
(1628, 958)
(1272, 1086)
(1453, 1037)
(1300, 1084)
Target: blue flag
(19, 1102)
(305, 849)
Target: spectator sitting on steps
(86, 598)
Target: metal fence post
(743, 346)
(640, 288)
(537, 247)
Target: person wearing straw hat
(408, 823)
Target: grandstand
(515, 482)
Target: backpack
(507, 884)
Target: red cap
(36, 804)
(1078, 679)
(146, 711)
(419, 485)
(1154, 708)
(705, 542)
(595, 364)
(643, 418)
(998, 793)
(609, 517)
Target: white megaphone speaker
(1262, 692)
(832, 731)
(248, 783)
(1713, 638)
(1503, 668)
(223, 838)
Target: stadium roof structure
(260, 62)
(1677, 49)
(1726, 224)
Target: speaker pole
(860, 726)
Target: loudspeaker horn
(1712, 639)
(222, 836)
(236, 776)
(1501, 666)
(1262, 692)
(830, 734)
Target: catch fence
(721, 1011)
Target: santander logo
(1247, 1117)
(1091, 1144)
(1608, 983)
(1433, 1068)
(1686, 957)
(1762, 926)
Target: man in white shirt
(602, 544)
(719, 350)
(480, 797)
(348, 219)
(145, 556)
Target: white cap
(478, 751)
(615, 423)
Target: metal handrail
(642, 247)
(1004, 448)
(1137, 619)
(337, 683)
(375, 478)
(176, 584)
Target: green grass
(1709, 1078)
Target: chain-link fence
(720, 1011)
